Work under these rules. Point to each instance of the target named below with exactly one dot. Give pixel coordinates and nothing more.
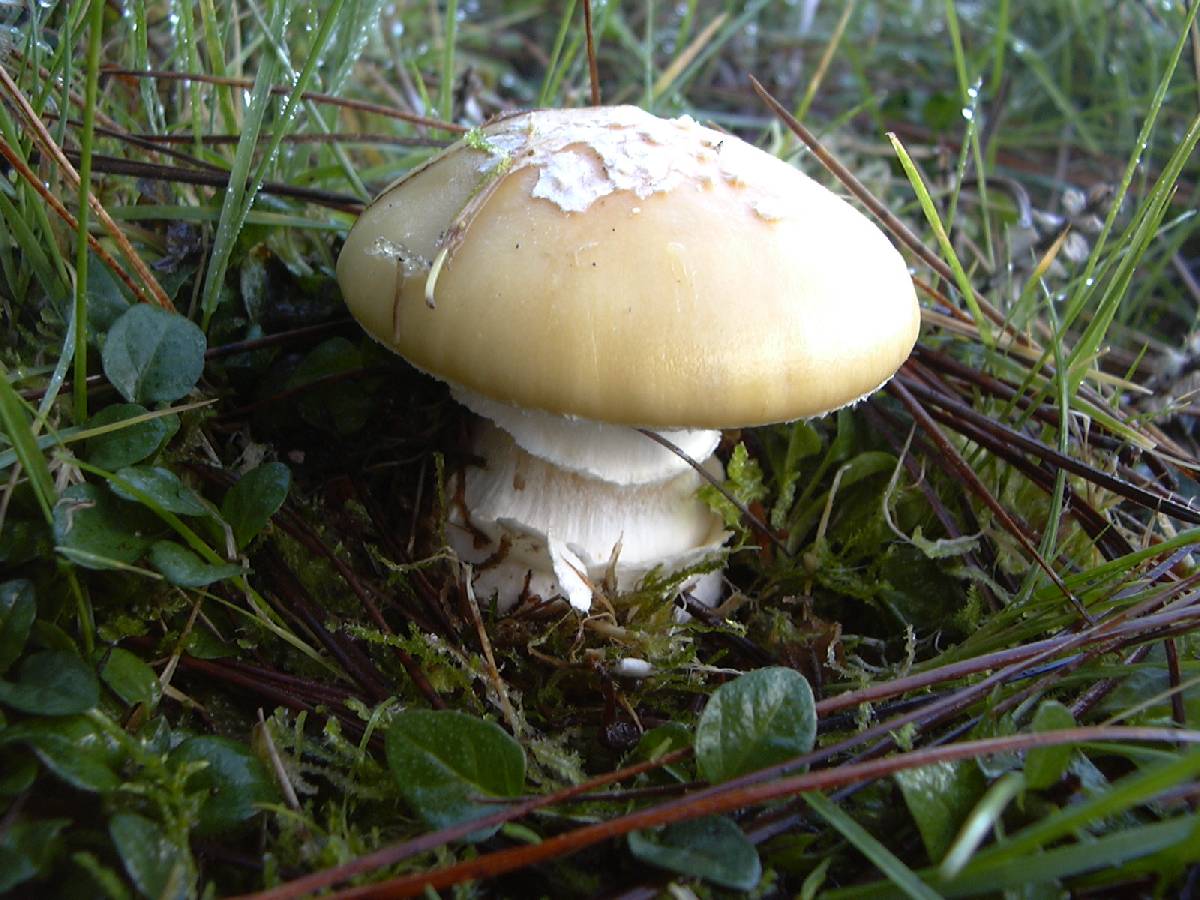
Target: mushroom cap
(607, 264)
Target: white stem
(566, 533)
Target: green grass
(220, 589)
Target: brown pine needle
(31, 178)
(593, 67)
(955, 459)
(42, 137)
(723, 799)
(281, 90)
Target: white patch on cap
(768, 209)
(411, 262)
(593, 153)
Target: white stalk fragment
(633, 667)
(534, 528)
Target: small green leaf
(943, 548)
(18, 609)
(743, 479)
(254, 281)
(22, 540)
(163, 487)
(52, 637)
(442, 760)
(1044, 766)
(803, 441)
(663, 740)
(712, 848)
(758, 719)
(27, 849)
(256, 497)
(52, 683)
(203, 644)
(129, 444)
(130, 678)
(18, 769)
(108, 882)
(157, 867)
(106, 302)
(72, 748)
(234, 779)
(939, 797)
(153, 356)
(155, 735)
(95, 529)
(182, 567)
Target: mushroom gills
(617, 454)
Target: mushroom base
(533, 529)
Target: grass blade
(16, 426)
(1141, 232)
(939, 231)
(242, 191)
(1079, 301)
(234, 207)
(1111, 850)
(1130, 791)
(901, 875)
(79, 322)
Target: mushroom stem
(532, 527)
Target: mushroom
(578, 275)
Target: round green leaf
(130, 443)
(162, 486)
(95, 529)
(257, 495)
(442, 759)
(18, 770)
(106, 302)
(663, 740)
(183, 567)
(18, 609)
(758, 719)
(22, 540)
(156, 866)
(153, 356)
(72, 748)
(940, 797)
(26, 851)
(234, 779)
(130, 678)
(712, 848)
(52, 683)
(1044, 766)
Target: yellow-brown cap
(608, 264)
